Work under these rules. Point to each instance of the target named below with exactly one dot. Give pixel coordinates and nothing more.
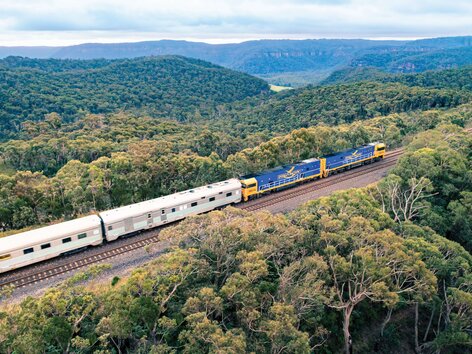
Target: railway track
(34, 274)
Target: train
(30, 247)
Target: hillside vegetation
(458, 79)
(59, 169)
(348, 266)
(335, 104)
(413, 60)
(388, 266)
(170, 87)
(46, 142)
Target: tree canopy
(166, 86)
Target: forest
(171, 87)
(145, 168)
(364, 265)
(388, 266)
(336, 104)
(57, 169)
(459, 79)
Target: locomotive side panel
(347, 158)
(280, 177)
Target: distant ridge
(308, 61)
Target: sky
(66, 22)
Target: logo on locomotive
(355, 155)
(289, 174)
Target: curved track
(42, 271)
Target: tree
(461, 228)
(378, 268)
(404, 200)
(282, 331)
(449, 323)
(364, 259)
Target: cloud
(242, 18)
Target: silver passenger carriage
(33, 246)
(159, 211)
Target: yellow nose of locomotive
(379, 150)
(248, 188)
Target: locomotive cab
(248, 188)
(379, 151)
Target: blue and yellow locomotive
(257, 184)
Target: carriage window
(163, 211)
(173, 210)
(5, 256)
(229, 194)
(66, 240)
(149, 216)
(46, 245)
(212, 199)
(28, 250)
(81, 236)
(194, 204)
(110, 228)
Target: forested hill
(344, 103)
(415, 60)
(460, 79)
(166, 86)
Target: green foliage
(170, 87)
(357, 74)
(431, 183)
(334, 105)
(144, 169)
(256, 282)
(457, 79)
(42, 147)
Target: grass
(276, 88)
(296, 79)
